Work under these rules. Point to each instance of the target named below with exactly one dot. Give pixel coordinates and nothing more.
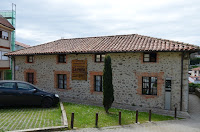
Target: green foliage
(193, 86)
(8, 75)
(194, 61)
(84, 116)
(108, 90)
(195, 66)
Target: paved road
(186, 125)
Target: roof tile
(118, 43)
(5, 22)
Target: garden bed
(84, 116)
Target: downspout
(181, 102)
(13, 67)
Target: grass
(19, 118)
(84, 116)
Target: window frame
(63, 59)
(28, 77)
(4, 58)
(149, 85)
(101, 83)
(4, 37)
(31, 87)
(14, 86)
(63, 81)
(100, 58)
(151, 55)
(28, 59)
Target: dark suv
(23, 93)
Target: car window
(7, 85)
(23, 86)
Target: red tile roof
(103, 44)
(196, 69)
(5, 22)
(22, 44)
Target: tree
(108, 96)
(194, 61)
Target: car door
(28, 94)
(8, 93)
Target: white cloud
(48, 20)
(39, 37)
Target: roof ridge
(114, 43)
(99, 36)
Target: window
(149, 85)
(1, 76)
(61, 58)
(30, 78)
(7, 85)
(99, 57)
(149, 57)
(195, 71)
(62, 81)
(98, 84)
(4, 35)
(30, 59)
(23, 86)
(4, 57)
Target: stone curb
(56, 128)
(64, 116)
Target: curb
(41, 129)
(64, 116)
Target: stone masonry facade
(128, 70)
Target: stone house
(147, 71)
(5, 43)
(195, 72)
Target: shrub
(108, 91)
(193, 86)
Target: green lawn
(29, 117)
(84, 116)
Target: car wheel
(47, 102)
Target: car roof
(16, 81)
(11, 81)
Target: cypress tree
(108, 96)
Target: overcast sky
(41, 21)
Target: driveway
(186, 125)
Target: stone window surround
(160, 83)
(149, 85)
(57, 59)
(27, 58)
(67, 73)
(91, 78)
(142, 58)
(30, 71)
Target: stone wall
(128, 69)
